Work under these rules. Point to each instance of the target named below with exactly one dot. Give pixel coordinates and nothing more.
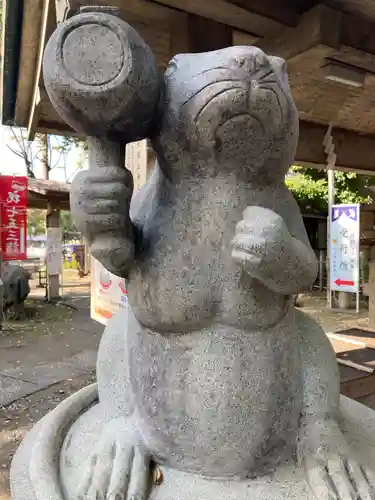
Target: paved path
(16, 383)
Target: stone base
(40, 453)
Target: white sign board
(54, 251)
(108, 293)
(344, 248)
(136, 162)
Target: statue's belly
(220, 401)
(178, 298)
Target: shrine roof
(43, 193)
(329, 47)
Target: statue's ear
(111, 85)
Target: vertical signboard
(108, 293)
(344, 248)
(54, 251)
(13, 217)
(136, 162)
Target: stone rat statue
(211, 370)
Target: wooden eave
(42, 194)
(304, 32)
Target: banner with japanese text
(344, 247)
(13, 217)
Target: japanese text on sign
(344, 248)
(13, 216)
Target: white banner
(108, 293)
(344, 248)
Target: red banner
(13, 217)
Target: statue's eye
(171, 69)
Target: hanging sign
(108, 293)
(344, 248)
(13, 217)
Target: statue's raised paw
(258, 240)
(104, 216)
(332, 472)
(119, 467)
(107, 193)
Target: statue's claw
(117, 470)
(332, 472)
(340, 479)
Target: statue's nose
(254, 61)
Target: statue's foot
(332, 471)
(119, 467)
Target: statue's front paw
(332, 472)
(259, 239)
(119, 468)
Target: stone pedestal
(288, 483)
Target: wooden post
(329, 149)
(321, 270)
(87, 268)
(369, 290)
(53, 280)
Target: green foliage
(36, 222)
(311, 196)
(67, 223)
(310, 188)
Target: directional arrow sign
(344, 282)
(344, 248)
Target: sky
(11, 164)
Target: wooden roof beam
(54, 128)
(32, 20)
(48, 24)
(355, 152)
(139, 8)
(217, 10)
(227, 13)
(243, 38)
(319, 28)
(338, 168)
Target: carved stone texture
(211, 373)
(16, 289)
(101, 76)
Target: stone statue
(211, 376)
(16, 289)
